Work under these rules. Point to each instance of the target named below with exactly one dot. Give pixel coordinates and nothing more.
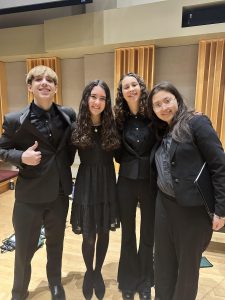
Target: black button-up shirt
(50, 123)
(137, 142)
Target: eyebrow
(93, 94)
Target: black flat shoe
(99, 285)
(88, 285)
(146, 295)
(128, 295)
(24, 297)
(57, 292)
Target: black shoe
(23, 297)
(145, 290)
(99, 285)
(88, 285)
(128, 295)
(145, 295)
(57, 292)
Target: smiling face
(96, 103)
(43, 88)
(165, 106)
(131, 90)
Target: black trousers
(27, 221)
(181, 235)
(135, 265)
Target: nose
(131, 88)
(44, 81)
(164, 106)
(97, 101)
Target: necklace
(96, 127)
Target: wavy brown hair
(82, 135)
(121, 107)
(179, 127)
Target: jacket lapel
(25, 124)
(68, 128)
(173, 148)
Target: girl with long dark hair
(186, 141)
(94, 210)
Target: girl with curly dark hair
(135, 272)
(93, 210)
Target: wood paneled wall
(138, 60)
(210, 95)
(53, 63)
(3, 94)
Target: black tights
(88, 250)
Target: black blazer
(187, 159)
(38, 184)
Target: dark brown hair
(121, 107)
(180, 124)
(82, 135)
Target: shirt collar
(39, 112)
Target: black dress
(94, 197)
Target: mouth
(132, 94)
(44, 89)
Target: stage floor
(211, 285)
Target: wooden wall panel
(139, 60)
(3, 94)
(210, 85)
(53, 63)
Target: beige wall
(104, 30)
(77, 72)
(100, 66)
(72, 81)
(17, 91)
(179, 66)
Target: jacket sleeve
(8, 152)
(212, 152)
(72, 149)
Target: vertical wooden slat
(210, 84)
(200, 76)
(53, 63)
(3, 94)
(222, 134)
(215, 113)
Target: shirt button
(135, 117)
(173, 163)
(137, 128)
(177, 180)
(138, 141)
(50, 134)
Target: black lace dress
(94, 198)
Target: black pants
(27, 221)
(181, 235)
(135, 265)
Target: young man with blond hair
(37, 141)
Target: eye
(167, 101)
(38, 78)
(157, 105)
(49, 79)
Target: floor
(211, 284)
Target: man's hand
(30, 156)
